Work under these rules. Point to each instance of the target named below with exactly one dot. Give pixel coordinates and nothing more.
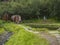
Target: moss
(1, 30)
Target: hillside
(20, 36)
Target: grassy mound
(22, 37)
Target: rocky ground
(5, 37)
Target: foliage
(40, 21)
(29, 9)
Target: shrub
(48, 26)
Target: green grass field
(2, 30)
(21, 36)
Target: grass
(22, 37)
(41, 21)
(2, 30)
(50, 24)
(40, 25)
(40, 29)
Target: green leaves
(29, 8)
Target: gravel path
(56, 34)
(52, 39)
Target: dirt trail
(56, 34)
(58, 38)
(52, 39)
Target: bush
(48, 26)
(30, 9)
